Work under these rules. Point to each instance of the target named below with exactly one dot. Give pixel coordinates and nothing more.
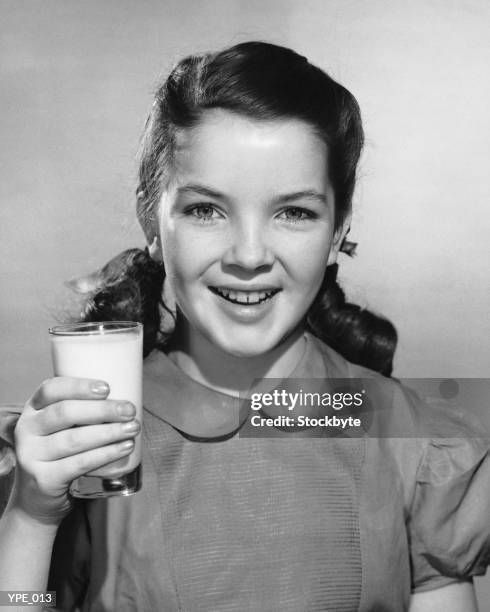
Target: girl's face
(247, 229)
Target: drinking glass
(111, 351)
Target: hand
(66, 429)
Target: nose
(249, 247)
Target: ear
(338, 237)
(155, 249)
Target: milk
(115, 357)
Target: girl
(246, 178)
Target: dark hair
(264, 82)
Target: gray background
(76, 86)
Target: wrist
(29, 507)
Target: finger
(81, 439)
(82, 463)
(70, 413)
(62, 388)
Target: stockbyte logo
(303, 421)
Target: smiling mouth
(244, 298)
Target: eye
(203, 212)
(296, 213)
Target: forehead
(229, 149)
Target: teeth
(245, 297)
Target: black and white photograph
(245, 306)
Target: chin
(247, 348)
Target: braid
(129, 287)
(357, 334)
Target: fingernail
(131, 426)
(99, 387)
(126, 445)
(126, 409)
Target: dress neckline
(200, 411)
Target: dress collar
(203, 413)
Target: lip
(231, 295)
(249, 313)
(246, 287)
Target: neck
(207, 364)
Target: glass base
(92, 487)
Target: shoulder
(406, 408)
(389, 408)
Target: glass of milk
(111, 351)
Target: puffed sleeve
(9, 415)
(449, 523)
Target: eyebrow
(201, 190)
(306, 194)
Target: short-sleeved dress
(294, 523)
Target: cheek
(307, 264)
(173, 256)
(185, 259)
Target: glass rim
(94, 328)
